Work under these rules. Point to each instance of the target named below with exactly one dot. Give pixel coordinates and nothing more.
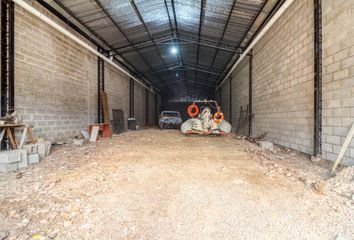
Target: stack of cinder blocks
(20, 158)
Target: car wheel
(161, 127)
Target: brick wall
(283, 80)
(338, 77)
(151, 109)
(139, 104)
(56, 79)
(240, 81)
(117, 89)
(225, 99)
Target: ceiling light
(174, 50)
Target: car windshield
(170, 114)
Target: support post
(131, 98)
(100, 87)
(250, 92)
(7, 57)
(230, 100)
(318, 77)
(156, 113)
(147, 114)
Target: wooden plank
(2, 133)
(11, 137)
(94, 133)
(344, 148)
(105, 107)
(23, 137)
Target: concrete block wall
(117, 89)
(282, 80)
(283, 72)
(225, 99)
(240, 81)
(139, 104)
(56, 79)
(151, 109)
(338, 77)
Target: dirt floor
(153, 184)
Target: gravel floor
(154, 184)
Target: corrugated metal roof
(207, 33)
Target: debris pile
(19, 153)
(343, 183)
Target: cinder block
(10, 156)
(31, 148)
(41, 150)
(24, 160)
(48, 146)
(33, 158)
(8, 167)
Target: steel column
(231, 100)
(318, 77)
(100, 87)
(250, 93)
(131, 99)
(156, 112)
(7, 57)
(147, 113)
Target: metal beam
(230, 101)
(142, 44)
(270, 15)
(137, 12)
(7, 57)
(189, 82)
(200, 80)
(122, 32)
(72, 25)
(185, 68)
(60, 4)
(223, 33)
(131, 99)
(253, 21)
(177, 32)
(201, 19)
(254, 39)
(318, 78)
(250, 95)
(100, 87)
(184, 40)
(210, 43)
(147, 108)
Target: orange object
(193, 110)
(219, 117)
(104, 128)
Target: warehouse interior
(282, 72)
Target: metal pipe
(53, 24)
(276, 16)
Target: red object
(193, 110)
(105, 129)
(218, 117)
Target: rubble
(85, 192)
